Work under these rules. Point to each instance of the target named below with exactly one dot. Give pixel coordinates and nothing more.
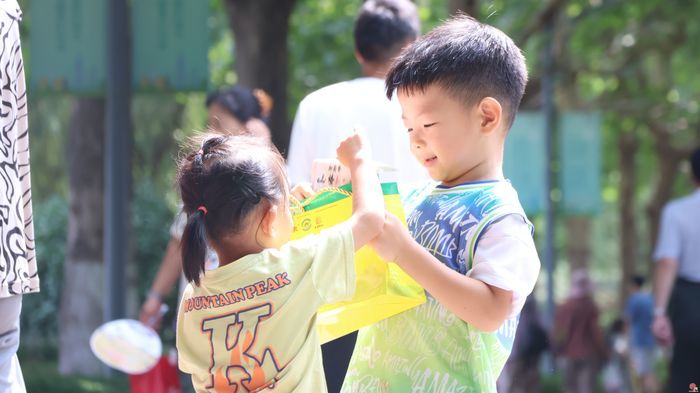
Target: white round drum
(127, 345)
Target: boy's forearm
(475, 302)
(367, 202)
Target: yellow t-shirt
(251, 324)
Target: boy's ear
(491, 112)
(359, 58)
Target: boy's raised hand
(353, 150)
(392, 239)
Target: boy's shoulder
(481, 198)
(467, 210)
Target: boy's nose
(416, 141)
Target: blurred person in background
(677, 284)
(521, 373)
(576, 336)
(18, 270)
(328, 115)
(642, 344)
(616, 376)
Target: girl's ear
(267, 224)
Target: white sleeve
(506, 258)
(668, 243)
(301, 147)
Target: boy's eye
(429, 125)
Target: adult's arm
(168, 273)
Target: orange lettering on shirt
(282, 279)
(234, 361)
(260, 287)
(272, 284)
(250, 291)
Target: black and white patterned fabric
(18, 271)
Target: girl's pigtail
(194, 246)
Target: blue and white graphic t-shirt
(480, 230)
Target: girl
(234, 110)
(250, 325)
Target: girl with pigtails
(250, 324)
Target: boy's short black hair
(384, 27)
(467, 58)
(695, 164)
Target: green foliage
(48, 120)
(157, 118)
(151, 218)
(221, 49)
(321, 46)
(151, 222)
(39, 322)
(552, 383)
(42, 376)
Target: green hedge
(151, 218)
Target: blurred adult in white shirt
(327, 116)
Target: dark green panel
(524, 162)
(580, 154)
(67, 46)
(171, 45)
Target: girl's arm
(367, 198)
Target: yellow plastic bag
(382, 289)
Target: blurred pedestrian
(677, 284)
(577, 337)
(639, 314)
(616, 376)
(18, 270)
(328, 115)
(521, 373)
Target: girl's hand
(392, 239)
(353, 150)
(302, 191)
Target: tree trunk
(82, 296)
(260, 29)
(663, 190)
(628, 144)
(469, 7)
(578, 245)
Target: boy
(459, 88)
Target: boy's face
(446, 137)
